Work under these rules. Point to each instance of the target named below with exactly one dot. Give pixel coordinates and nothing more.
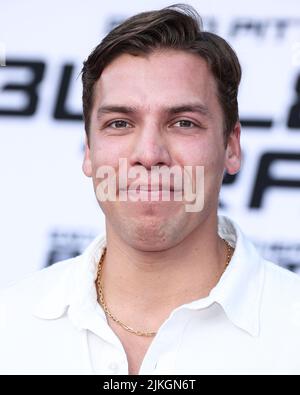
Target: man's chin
(151, 231)
(149, 242)
(151, 206)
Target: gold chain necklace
(107, 311)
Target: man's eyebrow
(172, 110)
(200, 108)
(115, 108)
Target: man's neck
(151, 284)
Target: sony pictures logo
(64, 244)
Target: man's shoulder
(280, 278)
(281, 299)
(29, 341)
(31, 288)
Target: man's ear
(87, 164)
(233, 150)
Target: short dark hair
(179, 27)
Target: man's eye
(184, 123)
(119, 124)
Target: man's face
(159, 110)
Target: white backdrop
(48, 211)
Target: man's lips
(152, 188)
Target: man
(169, 288)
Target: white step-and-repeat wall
(48, 211)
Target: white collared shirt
(51, 323)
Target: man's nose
(150, 148)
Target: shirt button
(114, 367)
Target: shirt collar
(75, 291)
(238, 291)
